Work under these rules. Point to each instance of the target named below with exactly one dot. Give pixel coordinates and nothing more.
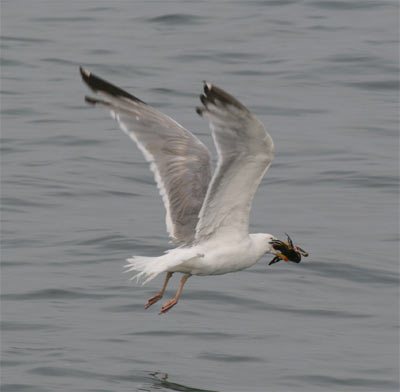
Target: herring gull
(207, 214)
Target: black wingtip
(207, 86)
(83, 72)
(90, 100)
(95, 101)
(199, 111)
(203, 99)
(215, 95)
(98, 84)
(85, 76)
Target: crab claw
(275, 260)
(289, 240)
(301, 251)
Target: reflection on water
(161, 380)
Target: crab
(287, 251)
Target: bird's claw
(153, 300)
(168, 305)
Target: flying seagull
(207, 214)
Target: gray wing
(180, 162)
(245, 151)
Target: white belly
(216, 259)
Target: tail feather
(148, 268)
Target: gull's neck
(262, 243)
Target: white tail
(148, 268)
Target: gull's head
(287, 251)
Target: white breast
(220, 259)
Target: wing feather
(245, 151)
(180, 162)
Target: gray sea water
(78, 198)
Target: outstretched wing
(245, 151)
(180, 162)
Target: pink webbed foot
(153, 300)
(168, 305)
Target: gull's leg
(169, 304)
(158, 296)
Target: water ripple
(229, 358)
(161, 380)
(329, 381)
(348, 5)
(272, 3)
(353, 273)
(26, 39)
(63, 19)
(196, 334)
(69, 372)
(223, 298)
(176, 19)
(23, 388)
(18, 326)
(52, 294)
(384, 85)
